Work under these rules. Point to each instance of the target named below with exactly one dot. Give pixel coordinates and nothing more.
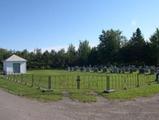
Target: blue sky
(54, 24)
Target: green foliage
(134, 51)
(110, 43)
(113, 48)
(3, 54)
(155, 46)
(71, 55)
(83, 53)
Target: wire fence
(91, 82)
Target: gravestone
(141, 71)
(157, 76)
(68, 69)
(104, 70)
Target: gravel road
(18, 108)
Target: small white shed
(14, 65)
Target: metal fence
(91, 82)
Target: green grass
(82, 95)
(30, 92)
(62, 80)
(129, 94)
(61, 72)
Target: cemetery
(88, 78)
(82, 81)
(79, 60)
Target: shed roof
(15, 58)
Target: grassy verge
(133, 93)
(29, 92)
(82, 95)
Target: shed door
(16, 67)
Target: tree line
(113, 49)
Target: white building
(14, 65)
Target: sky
(54, 24)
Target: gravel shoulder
(18, 108)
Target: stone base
(109, 91)
(46, 90)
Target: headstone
(141, 71)
(104, 70)
(157, 76)
(68, 69)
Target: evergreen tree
(135, 48)
(71, 55)
(83, 53)
(110, 43)
(154, 39)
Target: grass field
(91, 85)
(61, 79)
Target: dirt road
(17, 108)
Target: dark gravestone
(146, 70)
(75, 68)
(100, 69)
(104, 70)
(152, 71)
(68, 69)
(157, 77)
(88, 69)
(123, 70)
(127, 69)
(81, 69)
(72, 69)
(95, 69)
(130, 70)
(141, 71)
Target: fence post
(38, 85)
(9, 77)
(138, 81)
(21, 80)
(108, 89)
(157, 77)
(108, 83)
(125, 85)
(32, 80)
(14, 77)
(78, 82)
(49, 82)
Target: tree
(83, 53)
(53, 59)
(154, 39)
(60, 59)
(135, 48)
(93, 57)
(110, 43)
(3, 55)
(46, 58)
(71, 55)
